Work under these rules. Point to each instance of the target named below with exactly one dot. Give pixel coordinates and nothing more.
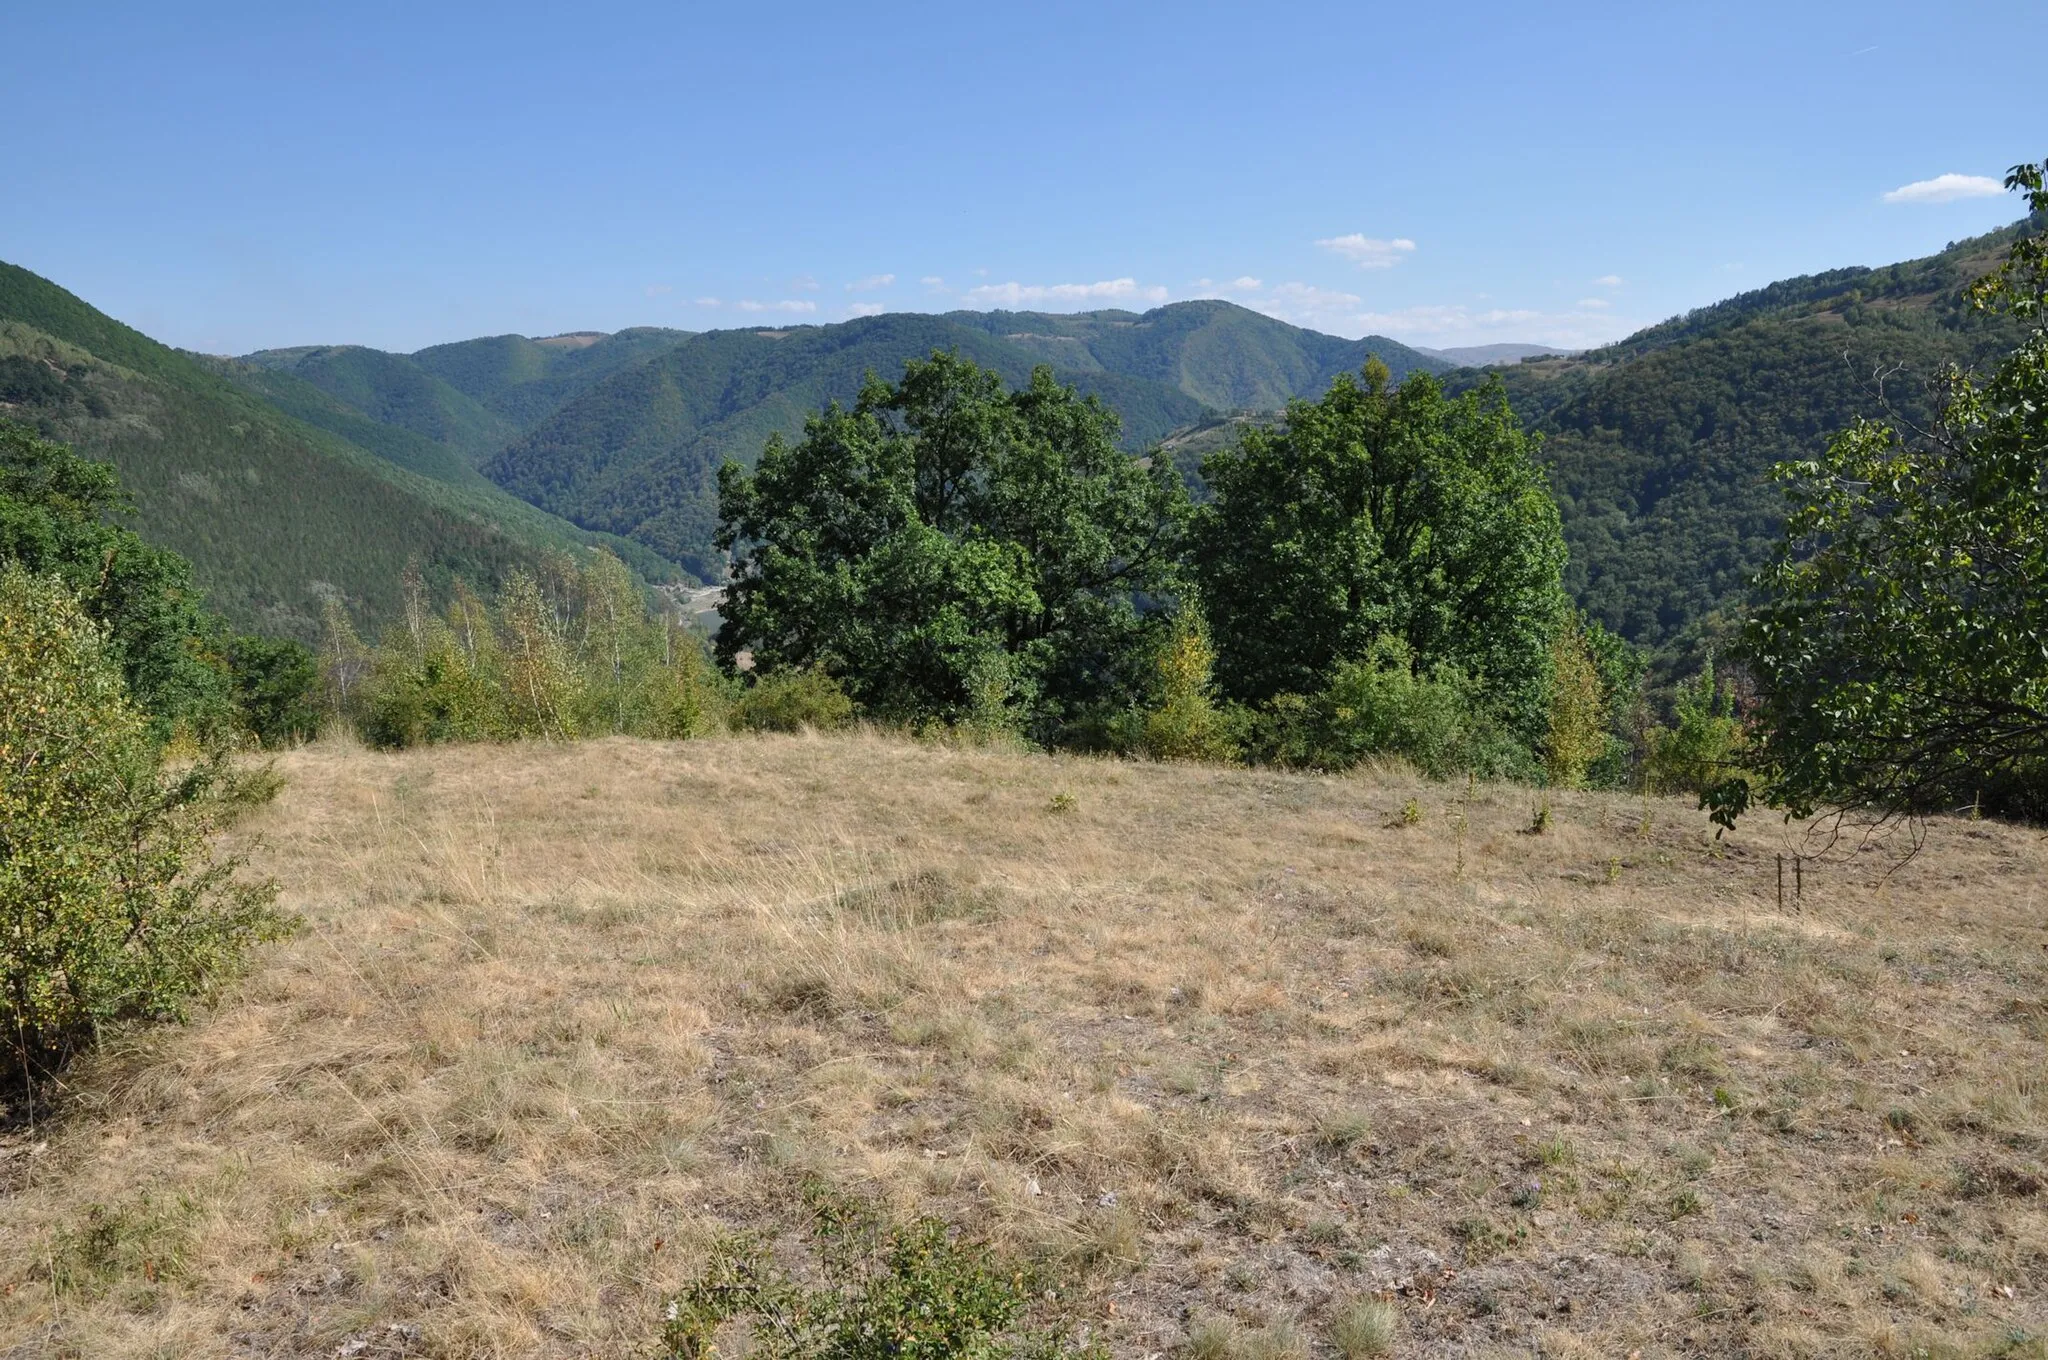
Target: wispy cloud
(932, 281)
(865, 309)
(804, 283)
(1109, 290)
(710, 302)
(783, 305)
(1609, 280)
(1946, 189)
(1594, 302)
(1369, 252)
(657, 289)
(870, 283)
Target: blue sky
(228, 177)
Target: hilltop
(1227, 1049)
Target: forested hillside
(639, 453)
(271, 511)
(1660, 446)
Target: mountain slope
(639, 453)
(1660, 446)
(523, 381)
(393, 390)
(271, 511)
(1222, 355)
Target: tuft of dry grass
(1268, 1066)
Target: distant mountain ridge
(1482, 356)
(624, 433)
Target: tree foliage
(1901, 644)
(55, 510)
(111, 906)
(1384, 511)
(943, 530)
(572, 651)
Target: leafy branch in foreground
(1901, 650)
(890, 1290)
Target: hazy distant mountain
(1481, 356)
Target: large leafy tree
(56, 519)
(947, 548)
(1900, 647)
(1383, 511)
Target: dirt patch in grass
(1266, 1067)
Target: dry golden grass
(1244, 1050)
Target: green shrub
(111, 906)
(275, 684)
(886, 1291)
(790, 701)
(1385, 705)
(1706, 746)
(1185, 723)
(1577, 730)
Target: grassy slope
(1225, 1044)
(271, 511)
(1660, 445)
(638, 454)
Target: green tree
(1900, 647)
(1184, 722)
(54, 519)
(111, 906)
(898, 544)
(275, 683)
(1578, 711)
(1384, 511)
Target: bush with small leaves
(112, 906)
(887, 1290)
(791, 701)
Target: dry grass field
(1238, 1050)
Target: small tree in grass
(111, 905)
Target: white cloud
(1594, 302)
(1245, 283)
(804, 283)
(657, 289)
(1946, 189)
(1609, 280)
(784, 305)
(1369, 252)
(1109, 290)
(871, 282)
(865, 309)
(710, 302)
(932, 281)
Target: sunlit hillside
(1230, 1049)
